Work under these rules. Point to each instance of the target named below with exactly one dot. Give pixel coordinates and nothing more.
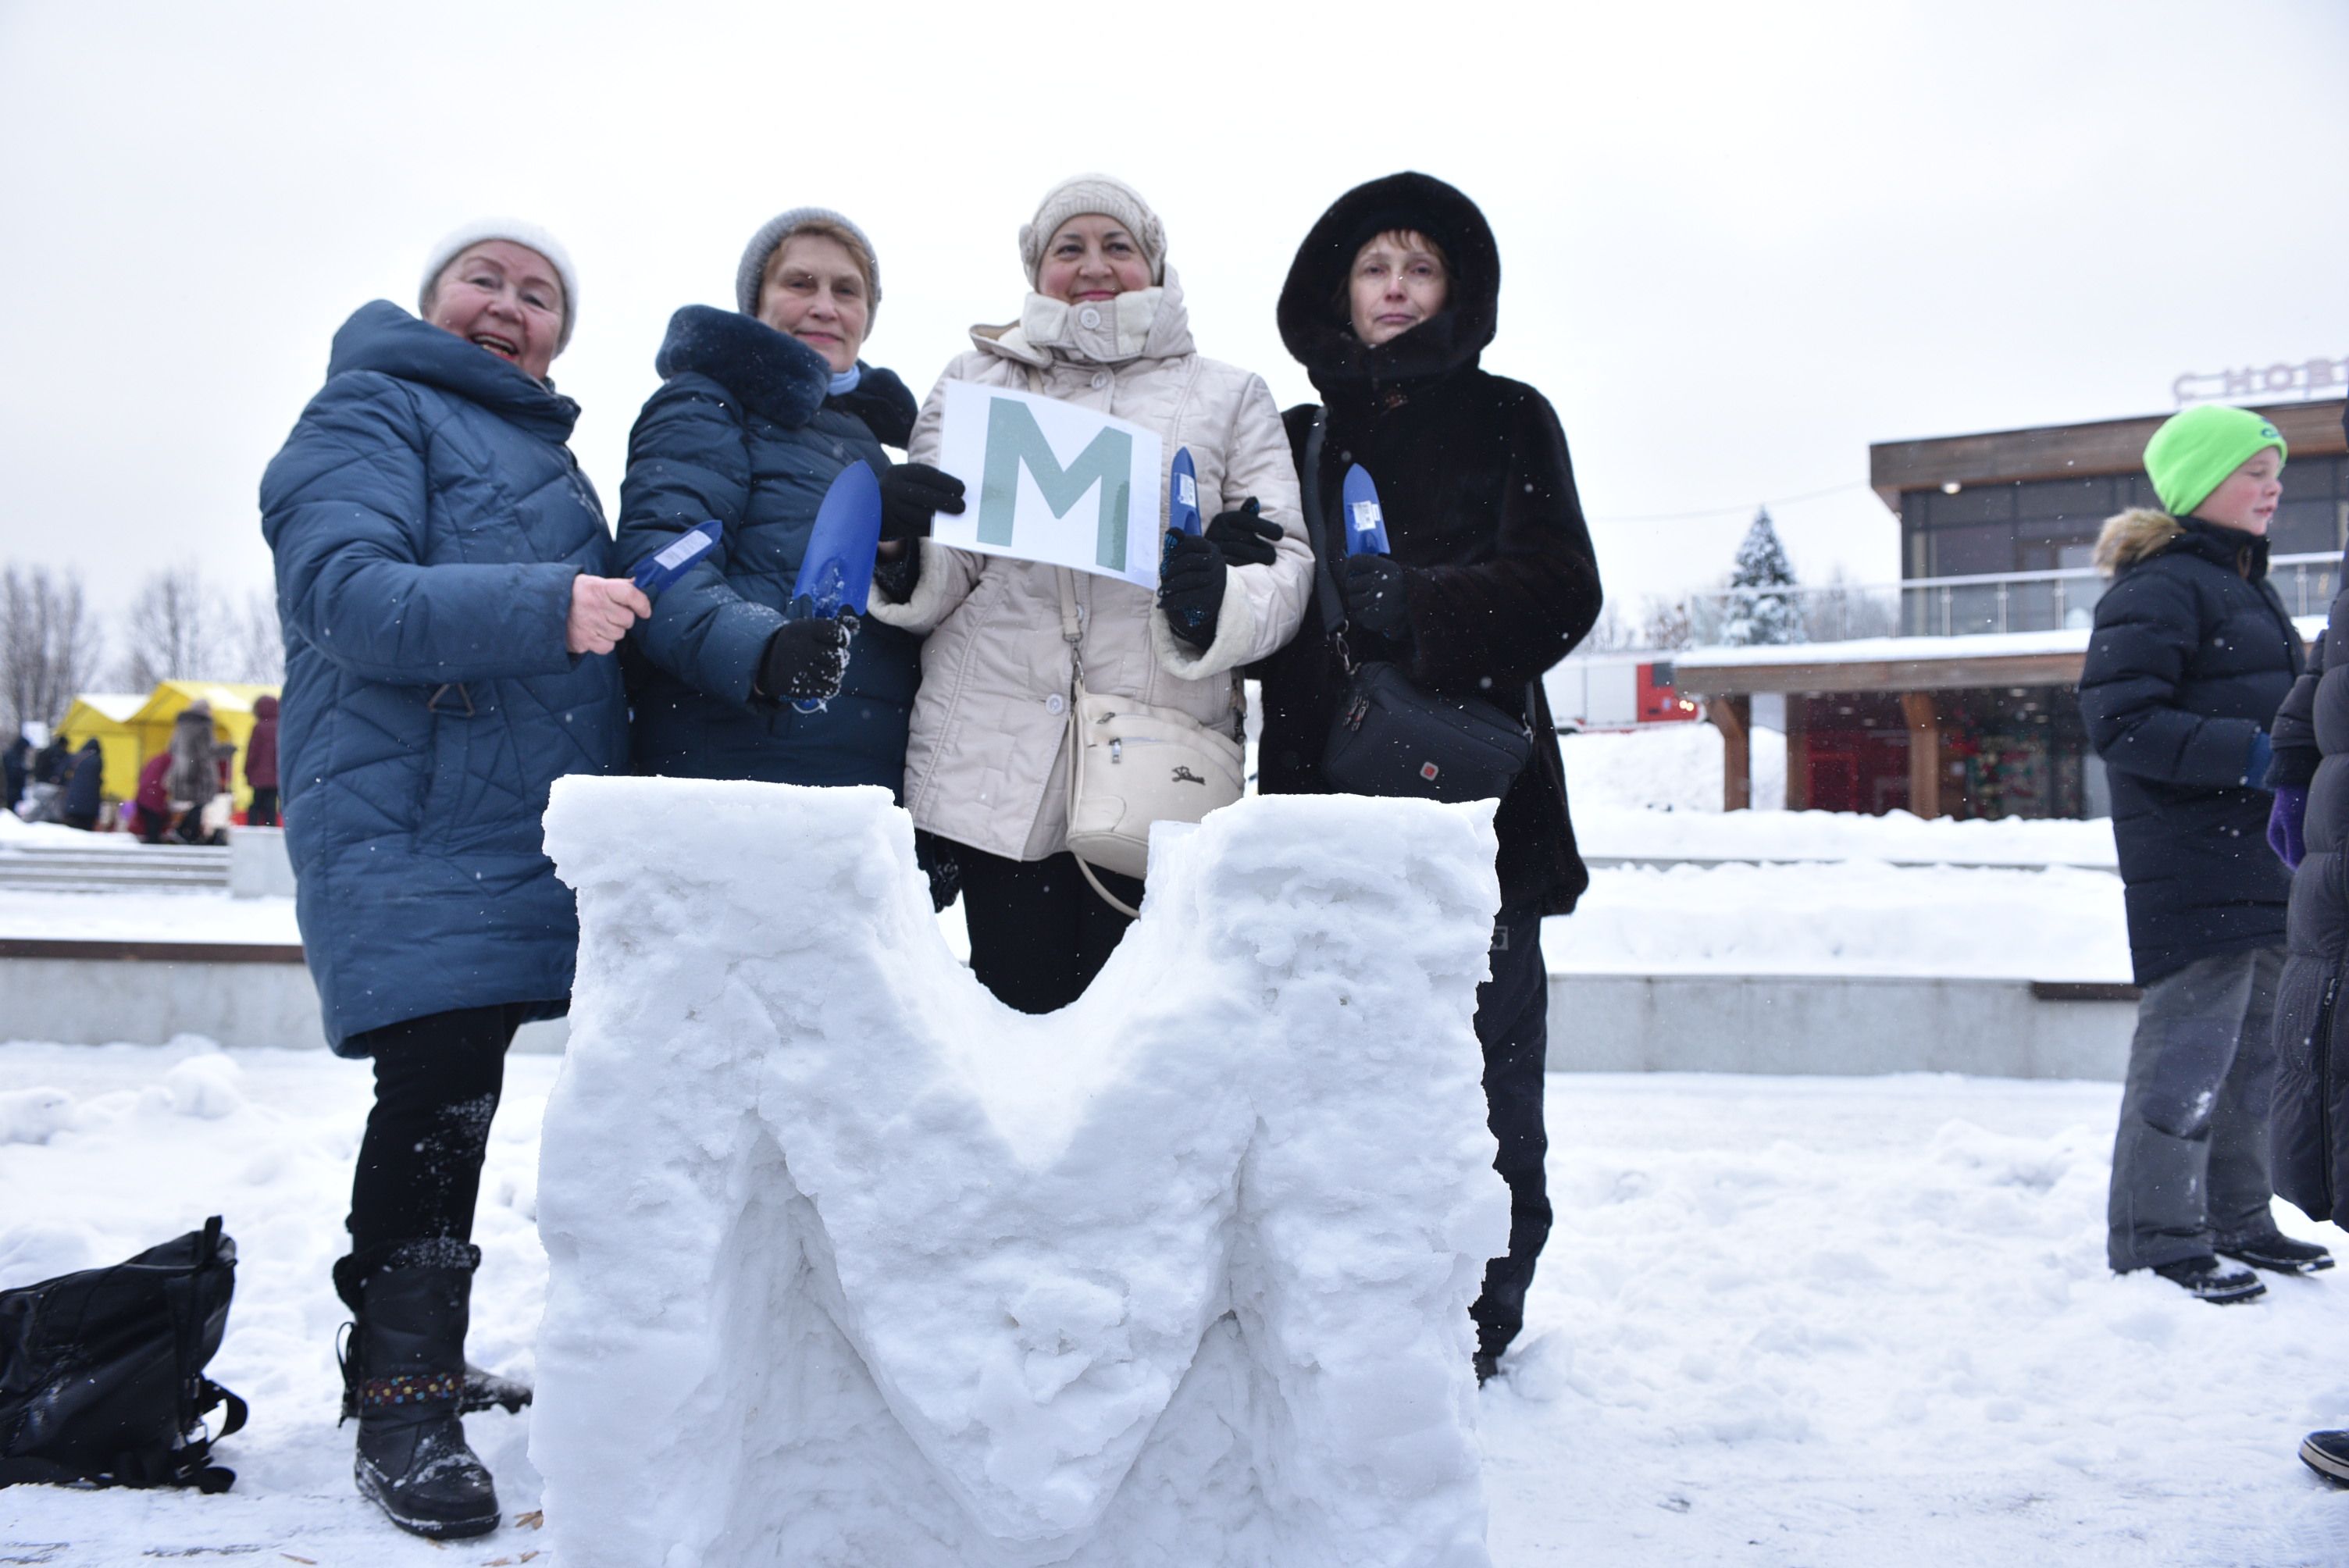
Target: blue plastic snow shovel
(657, 571)
(1366, 525)
(836, 572)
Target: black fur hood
(1315, 323)
(775, 375)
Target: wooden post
(1924, 752)
(1798, 753)
(1733, 717)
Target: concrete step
(45, 881)
(152, 866)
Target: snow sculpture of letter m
(851, 1265)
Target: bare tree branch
(172, 632)
(49, 644)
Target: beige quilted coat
(987, 764)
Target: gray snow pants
(2190, 1160)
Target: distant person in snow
(762, 409)
(261, 764)
(45, 790)
(1490, 580)
(16, 770)
(2309, 1134)
(2191, 654)
(1104, 326)
(151, 804)
(84, 787)
(449, 621)
(195, 778)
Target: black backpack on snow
(102, 1372)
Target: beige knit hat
(1099, 193)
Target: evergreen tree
(1754, 619)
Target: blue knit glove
(2286, 819)
(2255, 767)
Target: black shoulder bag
(1389, 737)
(102, 1372)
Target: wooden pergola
(1910, 669)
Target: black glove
(1246, 539)
(909, 493)
(1375, 594)
(898, 579)
(1191, 587)
(807, 656)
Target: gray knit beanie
(752, 273)
(1099, 193)
(530, 236)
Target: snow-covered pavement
(1782, 1321)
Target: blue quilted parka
(743, 429)
(428, 520)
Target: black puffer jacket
(2310, 1123)
(1481, 510)
(2191, 654)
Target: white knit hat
(1101, 193)
(530, 236)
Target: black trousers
(1039, 933)
(437, 1080)
(1513, 1025)
(262, 812)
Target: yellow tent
(231, 706)
(105, 716)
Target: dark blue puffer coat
(742, 430)
(2309, 1126)
(2191, 653)
(428, 520)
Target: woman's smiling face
(1091, 258)
(506, 298)
(816, 291)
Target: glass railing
(1956, 606)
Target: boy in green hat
(2191, 656)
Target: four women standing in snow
(450, 609)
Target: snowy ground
(1817, 1321)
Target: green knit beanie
(2192, 453)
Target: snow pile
(148, 914)
(1855, 918)
(1671, 767)
(1609, 829)
(849, 1264)
(15, 834)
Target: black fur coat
(1481, 511)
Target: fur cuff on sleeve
(928, 606)
(1234, 635)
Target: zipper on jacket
(2322, 1040)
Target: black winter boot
(403, 1377)
(2207, 1279)
(2276, 1252)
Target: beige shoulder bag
(1131, 765)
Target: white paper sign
(1047, 480)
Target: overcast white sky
(1739, 241)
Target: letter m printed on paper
(1014, 441)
